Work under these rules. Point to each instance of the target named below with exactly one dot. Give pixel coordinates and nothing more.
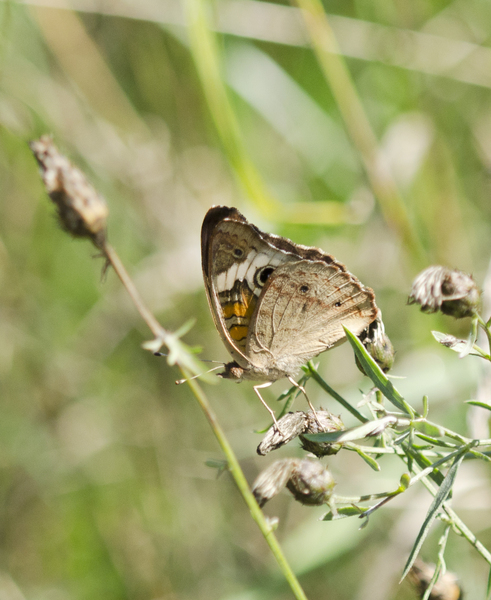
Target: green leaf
(428, 428)
(462, 347)
(371, 462)
(480, 404)
(434, 441)
(426, 407)
(375, 373)
(326, 387)
(471, 340)
(370, 428)
(433, 511)
(343, 513)
(405, 481)
(449, 341)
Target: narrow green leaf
(326, 387)
(375, 373)
(426, 407)
(405, 481)
(449, 341)
(433, 511)
(471, 340)
(185, 328)
(462, 347)
(488, 588)
(343, 513)
(428, 428)
(480, 404)
(371, 462)
(424, 462)
(434, 441)
(371, 428)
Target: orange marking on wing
(238, 332)
(239, 309)
(234, 309)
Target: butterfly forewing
(239, 264)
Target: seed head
(81, 210)
(452, 292)
(446, 588)
(294, 424)
(378, 345)
(308, 480)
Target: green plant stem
(485, 328)
(181, 359)
(325, 386)
(386, 450)
(243, 487)
(357, 124)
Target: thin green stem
(325, 386)
(243, 487)
(385, 450)
(484, 326)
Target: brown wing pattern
(302, 310)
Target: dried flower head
(378, 345)
(82, 211)
(453, 292)
(307, 479)
(295, 424)
(446, 588)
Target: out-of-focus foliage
(104, 491)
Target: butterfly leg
(302, 389)
(256, 388)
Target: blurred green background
(104, 491)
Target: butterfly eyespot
(238, 252)
(262, 275)
(304, 289)
(338, 304)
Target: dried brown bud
(377, 344)
(324, 423)
(446, 588)
(81, 209)
(311, 483)
(295, 424)
(308, 480)
(453, 292)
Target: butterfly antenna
(179, 381)
(218, 362)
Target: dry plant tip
(378, 345)
(295, 424)
(307, 479)
(452, 292)
(447, 586)
(81, 210)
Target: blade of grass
(325, 386)
(433, 511)
(375, 373)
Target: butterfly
(276, 304)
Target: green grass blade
(375, 373)
(433, 511)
